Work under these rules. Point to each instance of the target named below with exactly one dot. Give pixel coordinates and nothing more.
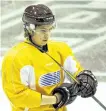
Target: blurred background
(81, 24)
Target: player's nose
(46, 35)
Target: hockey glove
(68, 94)
(88, 83)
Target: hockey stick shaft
(72, 77)
(64, 70)
(104, 107)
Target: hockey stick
(68, 73)
(104, 107)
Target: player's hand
(65, 94)
(88, 84)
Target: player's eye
(50, 29)
(43, 30)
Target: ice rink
(81, 24)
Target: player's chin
(44, 42)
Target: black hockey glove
(88, 83)
(68, 94)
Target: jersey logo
(49, 79)
(49, 64)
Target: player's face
(42, 34)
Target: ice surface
(81, 24)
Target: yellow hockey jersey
(27, 73)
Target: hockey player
(32, 80)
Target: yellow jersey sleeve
(19, 94)
(69, 61)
